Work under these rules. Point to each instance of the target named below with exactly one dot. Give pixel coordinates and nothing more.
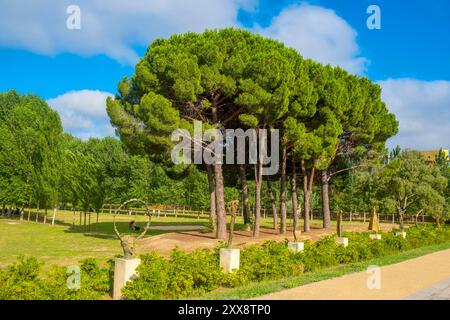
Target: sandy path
(398, 281)
(189, 240)
(178, 228)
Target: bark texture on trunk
(221, 232)
(308, 179)
(283, 191)
(212, 197)
(259, 182)
(294, 200)
(258, 199)
(245, 203)
(325, 199)
(273, 204)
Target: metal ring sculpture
(129, 242)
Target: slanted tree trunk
(283, 191)
(294, 200)
(325, 199)
(212, 198)
(273, 204)
(221, 232)
(245, 203)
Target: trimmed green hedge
(190, 274)
(22, 281)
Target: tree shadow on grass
(105, 230)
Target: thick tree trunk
(273, 204)
(258, 198)
(400, 219)
(245, 203)
(325, 199)
(259, 182)
(221, 232)
(438, 221)
(212, 198)
(283, 191)
(308, 179)
(294, 200)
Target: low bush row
(190, 274)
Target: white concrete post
(401, 234)
(229, 259)
(124, 270)
(342, 240)
(296, 246)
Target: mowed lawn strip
(258, 289)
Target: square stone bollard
(401, 234)
(124, 270)
(342, 240)
(229, 259)
(375, 236)
(296, 246)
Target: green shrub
(270, 260)
(153, 280)
(320, 254)
(21, 281)
(189, 274)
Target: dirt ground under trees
(191, 240)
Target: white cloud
(423, 109)
(83, 113)
(319, 34)
(113, 27)
(110, 27)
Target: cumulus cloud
(423, 109)
(83, 113)
(110, 27)
(114, 27)
(317, 33)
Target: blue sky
(75, 70)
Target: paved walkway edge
(397, 281)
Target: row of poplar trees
(232, 78)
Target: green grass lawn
(67, 241)
(266, 287)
